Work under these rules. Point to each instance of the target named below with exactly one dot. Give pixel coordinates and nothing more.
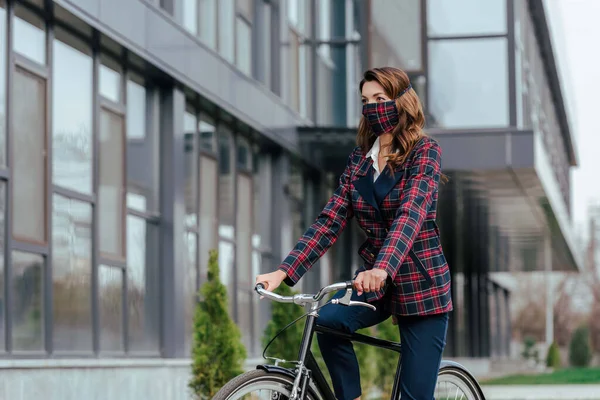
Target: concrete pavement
(542, 392)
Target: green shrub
(529, 350)
(553, 357)
(580, 353)
(218, 353)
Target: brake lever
(351, 303)
(360, 303)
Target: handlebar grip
(259, 286)
(350, 284)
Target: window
(72, 114)
(208, 26)
(143, 290)
(29, 166)
(190, 15)
(2, 86)
(191, 171)
(3, 276)
(143, 156)
(299, 57)
(207, 133)
(29, 35)
(466, 17)
(297, 200)
(267, 35)
(244, 257)
(226, 206)
(243, 33)
(226, 29)
(72, 274)
(243, 155)
(208, 209)
(405, 18)
(112, 185)
(325, 26)
(110, 83)
(469, 82)
(110, 292)
(244, 46)
(27, 308)
(191, 282)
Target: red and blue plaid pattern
(382, 117)
(402, 235)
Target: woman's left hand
(370, 281)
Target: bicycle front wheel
(260, 385)
(454, 383)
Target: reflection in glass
(466, 17)
(243, 155)
(110, 83)
(243, 48)
(136, 110)
(71, 274)
(191, 171)
(2, 88)
(226, 257)
(110, 191)
(29, 161)
(208, 27)
(72, 118)
(208, 210)
(207, 134)
(296, 188)
(405, 17)
(226, 29)
(469, 83)
(29, 35)
(27, 309)
(110, 293)
(2, 271)
(191, 276)
(243, 259)
(226, 184)
(142, 285)
(190, 15)
(143, 156)
(244, 230)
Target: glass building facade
(138, 135)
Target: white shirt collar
(374, 154)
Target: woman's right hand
(271, 280)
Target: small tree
(218, 353)
(580, 353)
(553, 357)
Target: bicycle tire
(462, 376)
(257, 377)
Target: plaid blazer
(397, 213)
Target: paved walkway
(542, 392)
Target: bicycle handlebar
(303, 299)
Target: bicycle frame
(306, 359)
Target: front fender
(275, 369)
(462, 368)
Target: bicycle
(307, 382)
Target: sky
(576, 32)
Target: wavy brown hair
(410, 115)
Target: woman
(390, 185)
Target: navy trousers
(423, 341)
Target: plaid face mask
(382, 117)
